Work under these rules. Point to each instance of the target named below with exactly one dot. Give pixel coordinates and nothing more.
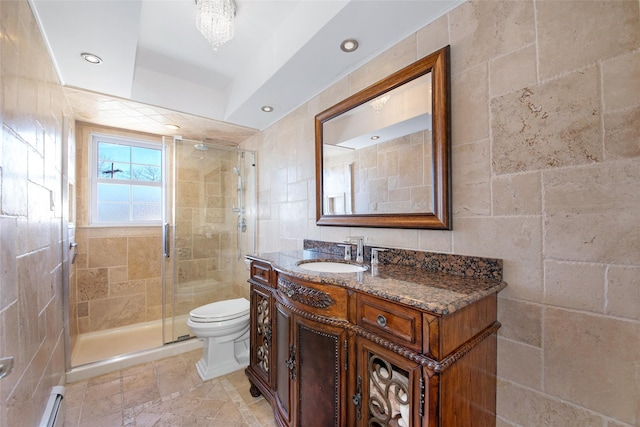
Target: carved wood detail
(425, 361)
(304, 314)
(304, 295)
(464, 349)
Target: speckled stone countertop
(435, 291)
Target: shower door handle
(165, 238)
(74, 247)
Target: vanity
(410, 341)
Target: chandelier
(379, 102)
(214, 19)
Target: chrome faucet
(359, 240)
(347, 252)
(375, 255)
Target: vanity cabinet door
(389, 389)
(262, 336)
(320, 377)
(285, 368)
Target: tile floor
(167, 392)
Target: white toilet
(224, 328)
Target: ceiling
(158, 69)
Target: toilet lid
(221, 310)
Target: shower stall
(211, 225)
(196, 257)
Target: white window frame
(94, 179)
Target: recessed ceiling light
(172, 126)
(374, 137)
(349, 45)
(90, 57)
(267, 108)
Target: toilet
(223, 327)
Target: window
(126, 181)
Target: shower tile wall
(119, 269)
(205, 227)
(119, 279)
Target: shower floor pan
(97, 353)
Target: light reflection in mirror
(377, 156)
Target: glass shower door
(208, 230)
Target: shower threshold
(101, 352)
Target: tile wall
(32, 111)
(119, 270)
(392, 176)
(546, 172)
(206, 228)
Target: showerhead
(200, 146)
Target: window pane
(147, 212)
(147, 173)
(113, 193)
(146, 156)
(120, 170)
(113, 212)
(137, 196)
(114, 152)
(143, 193)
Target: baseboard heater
(54, 411)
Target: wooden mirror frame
(438, 64)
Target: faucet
(347, 252)
(375, 255)
(359, 240)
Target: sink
(331, 267)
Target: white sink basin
(331, 267)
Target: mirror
(383, 154)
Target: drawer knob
(382, 321)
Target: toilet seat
(220, 311)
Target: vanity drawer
(390, 320)
(261, 272)
(314, 298)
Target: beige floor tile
(102, 420)
(166, 392)
(138, 396)
(262, 411)
(100, 391)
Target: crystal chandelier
(379, 102)
(214, 19)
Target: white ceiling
(283, 53)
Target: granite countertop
(434, 291)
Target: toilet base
(222, 358)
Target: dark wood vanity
(395, 345)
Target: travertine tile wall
(205, 228)
(119, 270)
(392, 176)
(546, 175)
(32, 111)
